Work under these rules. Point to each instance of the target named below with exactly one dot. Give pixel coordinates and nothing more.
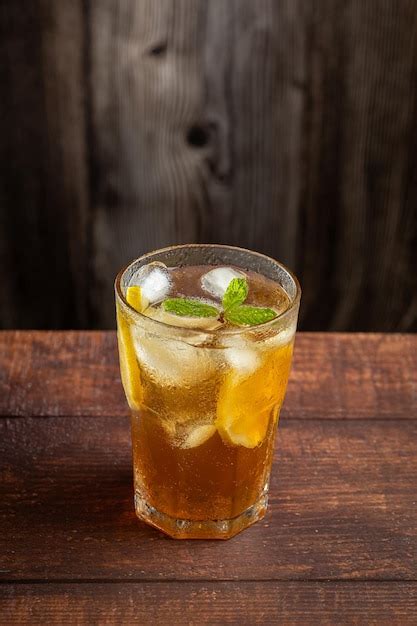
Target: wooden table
(338, 545)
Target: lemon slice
(240, 419)
(136, 299)
(246, 403)
(129, 369)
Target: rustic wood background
(337, 547)
(288, 126)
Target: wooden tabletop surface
(338, 545)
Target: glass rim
(137, 315)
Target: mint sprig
(241, 314)
(188, 307)
(236, 293)
(245, 315)
(234, 311)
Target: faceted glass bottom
(200, 529)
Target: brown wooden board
(45, 241)
(343, 506)
(60, 373)
(210, 602)
(287, 127)
(333, 376)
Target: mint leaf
(236, 293)
(246, 315)
(188, 307)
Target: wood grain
(333, 376)
(338, 545)
(148, 194)
(247, 603)
(358, 234)
(306, 113)
(44, 183)
(60, 373)
(289, 127)
(342, 506)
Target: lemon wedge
(246, 403)
(136, 299)
(129, 369)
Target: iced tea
(205, 384)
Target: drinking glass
(204, 403)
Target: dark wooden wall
(288, 126)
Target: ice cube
(188, 433)
(154, 280)
(241, 356)
(216, 281)
(171, 361)
(198, 435)
(280, 337)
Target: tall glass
(204, 404)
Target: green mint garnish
(187, 307)
(242, 314)
(245, 315)
(236, 293)
(234, 311)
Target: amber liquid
(212, 481)
(216, 479)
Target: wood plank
(206, 143)
(358, 232)
(343, 506)
(147, 92)
(60, 373)
(44, 195)
(334, 375)
(357, 375)
(289, 127)
(301, 603)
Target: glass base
(200, 529)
